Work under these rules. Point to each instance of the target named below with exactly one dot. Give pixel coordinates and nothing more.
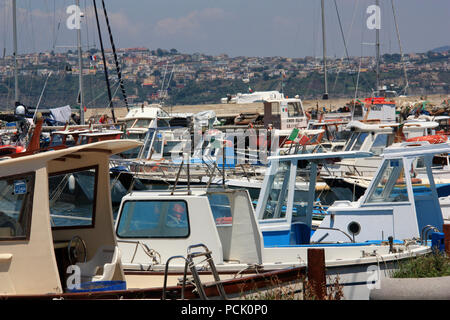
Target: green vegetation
(433, 265)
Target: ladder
(189, 263)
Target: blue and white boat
(363, 242)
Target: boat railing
(352, 240)
(189, 263)
(154, 256)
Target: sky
(253, 28)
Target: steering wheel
(77, 251)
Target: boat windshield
(390, 184)
(356, 141)
(380, 142)
(142, 123)
(221, 208)
(275, 204)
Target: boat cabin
(139, 119)
(390, 206)
(169, 222)
(375, 138)
(375, 109)
(56, 223)
(284, 114)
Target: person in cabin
(177, 214)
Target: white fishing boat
(140, 118)
(54, 245)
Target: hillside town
(150, 75)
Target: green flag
(293, 134)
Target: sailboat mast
(325, 95)
(80, 66)
(401, 50)
(377, 44)
(16, 75)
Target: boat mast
(377, 44)
(80, 66)
(16, 75)
(325, 95)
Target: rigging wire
(105, 65)
(343, 38)
(119, 73)
(401, 50)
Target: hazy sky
(290, 28)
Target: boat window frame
(120, 215)
(94, 202)
(294, 109)
(377, 179)
(32, 175)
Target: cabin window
(220, 207)
(275, 206)
(380, 142)
(356, 141)
(294, 109)
(161, 123)
(16, 205)
(56, 140)
(390, 185)
(142, 123)
(275, 108)
(358, 111)
(153, 219)
(72, 197)
(129, 123)
(351, 141)
(419, 187)
(359, 141)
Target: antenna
(80, 78)
(377, 44)
(16, 74)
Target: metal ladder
(189, 263)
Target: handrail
(166, 271)
(335, 229)
(425, 230)
(145, 248)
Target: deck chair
(102, 265)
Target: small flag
(293, 134)
(250, 90)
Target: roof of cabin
(110, 147)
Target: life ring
(432, 139)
